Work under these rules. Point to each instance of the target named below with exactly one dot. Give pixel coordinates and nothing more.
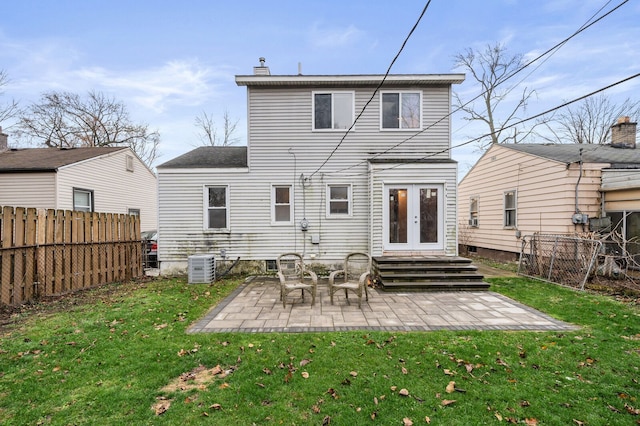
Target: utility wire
(533, 117)
(555, 47)
(404, 43)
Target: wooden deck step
(428, 273)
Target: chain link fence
(580, 262)
(559, 259)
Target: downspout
(295, 240)
(578, 182)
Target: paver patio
(255, 307)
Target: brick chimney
(4, 141)
(623, 133)
(262, 69)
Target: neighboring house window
(401, 110)
(134, 212)
(473, 212)
(281, 211)
(339, 200)
(82, 200)
(510, 209)
(332, 110)
(217, 208)
(130, 163)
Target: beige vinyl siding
(622, 200)
(35, 190)
(115, 189)
(545, 202)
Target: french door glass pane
(428, 215)
(398, 216)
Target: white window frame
(206, 208)
(473, 214)
(331, 92)
(401, 93)
(88, 208)
(514, 209)
(273, 205)
(349, 200)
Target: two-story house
(333, 164)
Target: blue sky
(168, 61)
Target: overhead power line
(508, 77)
(404, 43)
(533, 117)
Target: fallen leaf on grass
(403, 392)
(304, 362)
(407, 422)
(161, 406)
(446, 402)
(305, 374)
(451, 387)
(531, 422)
(427, 419)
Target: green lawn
(123, 357)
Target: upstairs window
(82, 200)
(510, 209)
(401, 110)
(332, 111)
(216, 207)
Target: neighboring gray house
(308, 184)
(99, 179)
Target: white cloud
(334, 37)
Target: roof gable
(207, 157)
(48, 159)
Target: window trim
(273, 205)
(399, 128)
(514, 209)
(91, 198)
(473, 214)
(205, 211)
(349, 200)
(331, 92)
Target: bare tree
(490, 68)
(10, 109)
(590, 121)
(63, 119)
(208, 133)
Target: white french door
(413, 217)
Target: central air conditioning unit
(202, 269)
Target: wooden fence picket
(49, 252)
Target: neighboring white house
(522, 189)
(99, 179)
(310, 182)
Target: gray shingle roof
(206, 157)
(47, 159)
(570, 153)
